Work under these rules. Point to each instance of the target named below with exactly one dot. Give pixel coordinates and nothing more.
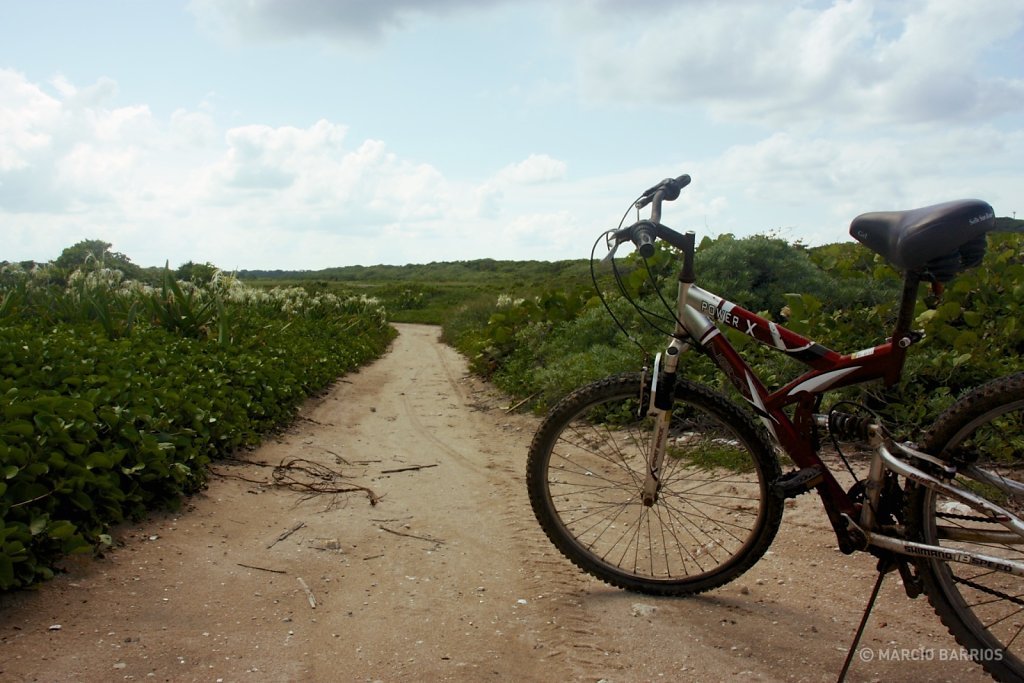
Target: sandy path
(448, 577)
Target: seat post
(911, 281)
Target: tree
(199, 273)
(93, 255)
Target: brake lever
(613, 246)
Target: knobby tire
(982, 608)
(715, 515)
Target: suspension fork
(663, 390)
(664, 380)
(662, 396)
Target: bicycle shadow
(786, 631)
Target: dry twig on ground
(299, 474)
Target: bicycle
(654, 483)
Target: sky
(307, 134)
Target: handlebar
(644, 233)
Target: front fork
(663, 382)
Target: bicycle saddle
(943, 239)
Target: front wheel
(983, 434)
(714, 516)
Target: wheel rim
(990, 602)
(709, 506)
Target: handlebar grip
(669, 189)
(643, 238)
(672, 187)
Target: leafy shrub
(490, 346)
(465, 328)
(757, 272)
(98, 427)
(842, 296)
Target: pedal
(911, 580)
(792, 484)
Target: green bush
(761, 272)
(842, 296)
(98, 427)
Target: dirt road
(446, 577)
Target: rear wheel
(983, 608)
(714, 516)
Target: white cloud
(537, 168)
(68, 149)
(815, 185)
(489, 198)
(98, 94)
(551, 232)
(26, 115)
(861, 62)
(73, 161)
(310, 179)
(192, 128)
(857, 62)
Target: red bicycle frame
(700, 312)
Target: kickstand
(884, 568)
